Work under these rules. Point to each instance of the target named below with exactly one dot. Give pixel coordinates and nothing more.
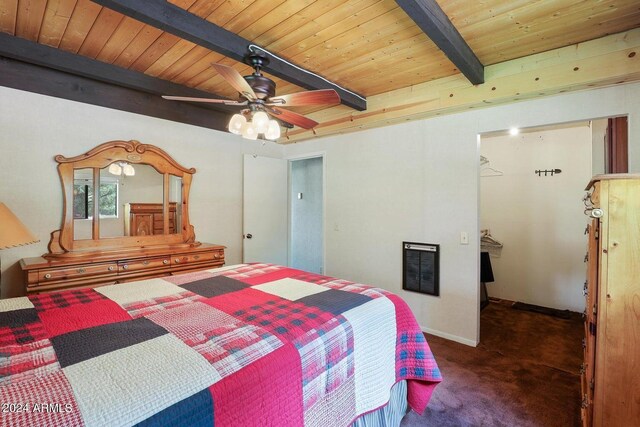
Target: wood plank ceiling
(367, 46)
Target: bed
(243, 345)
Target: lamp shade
(115, 169)
(273, 130)
(12, 230)
(236, 124)
(128, 170)
(260, 121)
(249, 131)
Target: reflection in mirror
(175, 204)
(141, 200)
(82, 203)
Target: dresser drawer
(53, 274)
(198, 257)
(143, 264)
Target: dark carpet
(524, 372)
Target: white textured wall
(35, 128)
(538, 219)
(419, 181)
(598, 135)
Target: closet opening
(531, 213)
(539, 259)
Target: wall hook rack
(548, 171)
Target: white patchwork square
(129, 385)
(11, 304)
(225, 268)
(374, 351)
(290, 289)
(142, 290)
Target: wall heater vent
(421, 267)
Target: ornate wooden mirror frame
(62, 242)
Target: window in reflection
(83, 196)
(82, 203)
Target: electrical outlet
(464, 238)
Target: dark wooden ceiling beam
(177, 21)
(428, 15)
(87, 80)
(39, 54)
(47, 81)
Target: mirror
(140, 195)
(82, 204)
(126, 186)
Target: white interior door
(265, 210)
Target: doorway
(531, 183)
(531, 215)
(306, 214)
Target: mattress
(244, 345)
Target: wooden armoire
(611, 370)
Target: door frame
(290, 159)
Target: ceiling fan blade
(208, 100)
(235, 79)
(292, 118)
(312, 97)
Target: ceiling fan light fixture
(260, 121)
(128, 169)
(115, 169)
(249, 131)
(273, 130)
(236, 124)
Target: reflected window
(83, 198)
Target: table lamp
(12, 231)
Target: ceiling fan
(260, 101)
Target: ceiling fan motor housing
(263, 86)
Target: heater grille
(421, 267)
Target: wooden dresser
(611, 369)
(145, 219)
(45, 275)
(159, 239)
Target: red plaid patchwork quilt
(245, 345)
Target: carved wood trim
(131, 147)
(62, 242)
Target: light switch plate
(464, 238)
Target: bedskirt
(391, 414)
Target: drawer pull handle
(177, 260)
(125, 267)
(145, 262)
(81, 270)
(47, 276)
(165, 262)
(111, 268)
(196, 257)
